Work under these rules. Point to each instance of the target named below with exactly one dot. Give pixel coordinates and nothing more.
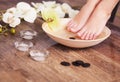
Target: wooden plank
(16, 66)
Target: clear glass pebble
(23, 45)
(28, 34)
(39, 55)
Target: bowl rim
(108, 34)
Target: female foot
(97, 20)
(81, 18)
(94, 25)
(91, 20)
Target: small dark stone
(66, 15)
(77, 63)
(72, 38)
(64, 63)
(86, 65)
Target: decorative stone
(28, 34)
(64, 63)
(39, 55)
(23, 45)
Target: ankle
(103, 12)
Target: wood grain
(16, 66)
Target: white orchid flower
(7, 17)
(10, 19)
(16, 21)
(22, 10)
(49, 4)
(38, 6)
(14, 11)
(72, 13)
(28, 13)
(59, 11)
(31, 15)
(23, 6)
(66, 7)
(11, 10)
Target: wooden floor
(16, 66)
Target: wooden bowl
(69, 39)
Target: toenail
(73, 30)
(78, 35)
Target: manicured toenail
(73, 30)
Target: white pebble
(38, 55)
(28, 34)
(23, 46)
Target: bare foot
(97, 20)
(92, 18)
(81, 18)
(94, 25)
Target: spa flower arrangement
(50, 11)
(54, 17)
(13, 16)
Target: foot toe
(69, 25)
(84, 36)
(75, 28)
(87, 37)
(81, 33)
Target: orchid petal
(49, 4)
(66, 7)
(30, 16)
(59, 12)
(16, 21)
(73, 13)
(7, 17)
(23, 6)
(11, 10)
